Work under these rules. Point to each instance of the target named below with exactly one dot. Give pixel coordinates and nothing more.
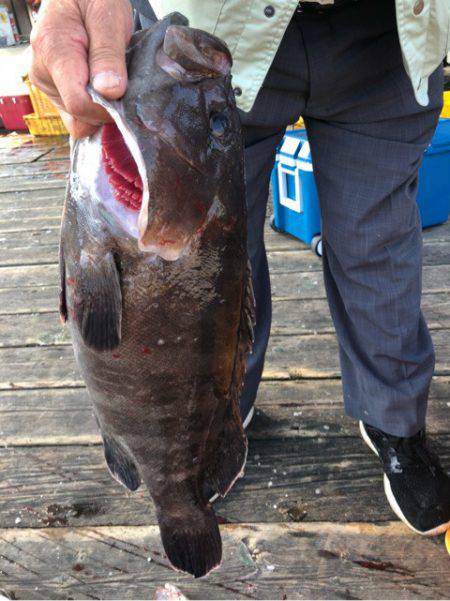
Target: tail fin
(194, 546)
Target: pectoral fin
(120, 464)
(98, 301)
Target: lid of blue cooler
(441, 138)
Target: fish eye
(218, 123)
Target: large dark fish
(156, 286)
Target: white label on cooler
(290, 145)
(283, 173)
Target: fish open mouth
(124, 167)
(123, 190)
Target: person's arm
(77, 41)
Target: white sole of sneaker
(246, 422)
(390, 495)
(249, 418)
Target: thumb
(109, 26)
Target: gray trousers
(342, 70)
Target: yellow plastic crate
(446, 109)
(41, 103)
(50, 125)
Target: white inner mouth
(90, 159)
(131, 221)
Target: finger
(71, 76)
(77, 128)
(63, 76)
(109, 31)
(93, 115)
(41, 79)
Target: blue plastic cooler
(433, 196)
(295, 200)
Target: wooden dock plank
(42, 150)
(33, 299)
(26, 224)
(25, 289)
(37, 182)
(38, 367)
(19, 142)
(18, 156)
(290, 286)
(42, 167)
(278, 241)
(59, 152)
(40, 199)
(312, 356)
(20, 326)
(285, 561)
(284, 409)
(37, 239)
(28, 275)
(17, 212)
(288, 357)
(309, 285)
(308, 478)
(17, 222)
(32, 329)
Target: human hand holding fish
(77, 41)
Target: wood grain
(48, 168)
(277, 561)
(285, 409)
(288, 357)
(316, 478)
(23, 323)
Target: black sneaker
(416, 486)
